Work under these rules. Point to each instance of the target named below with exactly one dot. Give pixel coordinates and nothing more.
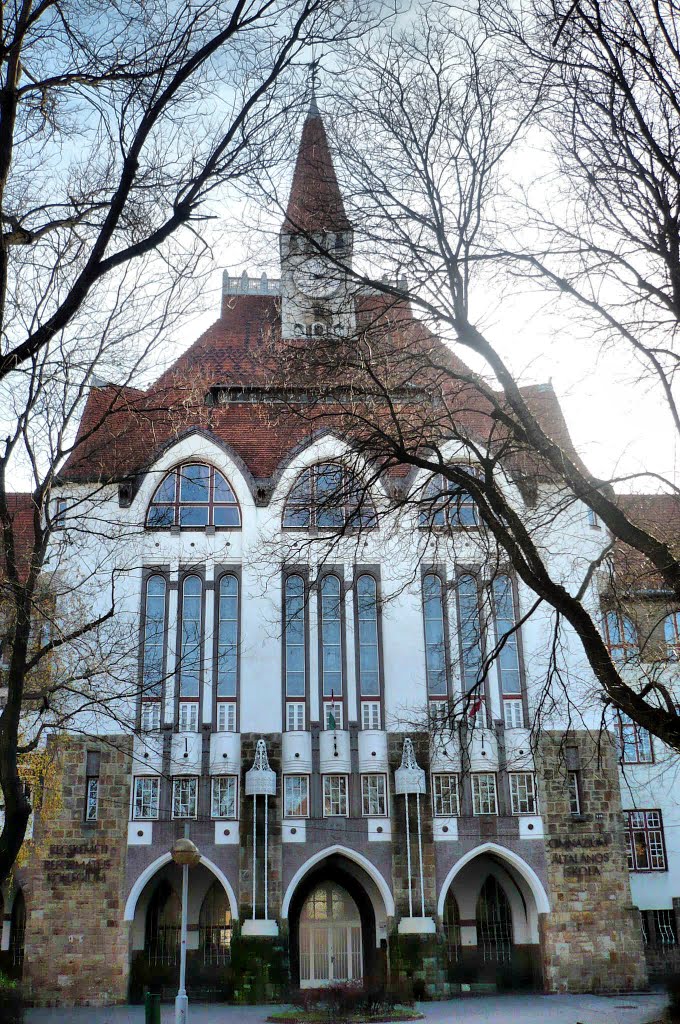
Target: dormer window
(193, 496)
(446, 503)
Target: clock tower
(316, 244)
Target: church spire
(315, 202)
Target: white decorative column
(261, 781)
(409, 780)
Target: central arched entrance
(331, 947)
(337, 919)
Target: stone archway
(490, 910)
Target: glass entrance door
(330, 938)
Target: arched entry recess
(337, 905)
(489, 905)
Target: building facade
(285, 704)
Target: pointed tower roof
(315, 202)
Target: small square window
(522, 793)
(151, 716)
(513, 714)
(295, 716)
(296, 796)
(484, 795)
(335, 797)
(188, 716)
(145, 797)
(223, 797)
(445, 796)
(370, 714)
(373, 796)
(226, 716)
(185, 797)
(332, 715)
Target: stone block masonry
(77, 944)
(591, 940)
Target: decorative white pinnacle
(409, 778)
(260, 779)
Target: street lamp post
(186, 854)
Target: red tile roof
(21, 509)
(659, 514)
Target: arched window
(367, 617)
(154, 637)
(671, 630)
(294, 636)
(470, 634)
(227, 636)
(331, 637)
(190, 637)
(621, 637)
(508, 657)
(163, 925)
(435, 646)
(448, 503)
(193, 495)
(494, 923)
(214, 926)
(328, 496)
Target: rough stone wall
(77, 945)
(592, 938)
(274, 853)
(399, 855)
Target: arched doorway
(489, 908)
(337, 911)
(330, 937)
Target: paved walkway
(530, 1009)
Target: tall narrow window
(671, 629)
(190, 638)
(154, 637)
(622, 639)
(331, 637)
(367, 632)
(508, 657)
(92, 785)
(294, 636)
(435, 647)
(227, 643)
(470, 634)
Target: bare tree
(120, 125)
(426, 131)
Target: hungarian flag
(474, 708)
(332, 724)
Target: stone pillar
(591, 939)
(77, 944)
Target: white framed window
(373, 796)
(513, 713)
(370, 714)
(151, 716)
(438, 713)
(593, 520)
(484, 793)
(226, 716)
(332, 715)
(574, 791)
(445, 796)
(91, 799)
(146, 797)
(335, 796)
(523, 793)
(295, 716)
(646, 845)
(296, 796)
(223, 796)
(188, 716)
(185, 797)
